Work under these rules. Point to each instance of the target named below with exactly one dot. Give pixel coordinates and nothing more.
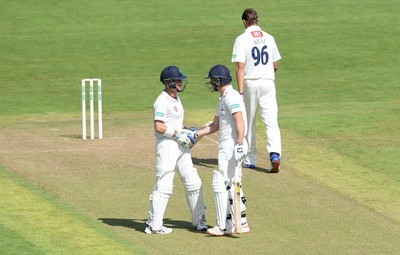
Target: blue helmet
(171, 73)
(222, 72)
(219, 75)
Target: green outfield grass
(338, 95)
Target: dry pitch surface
(111, 179)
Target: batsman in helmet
(173, 155)
(230, 121)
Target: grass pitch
(338, 191)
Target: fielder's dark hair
(250, 16)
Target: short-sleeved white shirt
(168, 110)
(258, 50)
(229, 103)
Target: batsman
(173, 155)
(230, 121)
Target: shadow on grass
(140, 224)
(205, 162)
(78, 137)
(259, 169)
(213, 163)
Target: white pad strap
(218, 182)
(165, 183)
(193, 181)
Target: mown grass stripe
(368, 187)
(12, 243)
(47, 226)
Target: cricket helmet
(171, 73)
(218, 75)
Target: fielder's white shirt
(168, 110)
(258, 50)
(229, 103)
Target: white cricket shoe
(202, 226)
(231, 229)
(215, 231)
(163, 230)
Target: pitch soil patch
(111, 179)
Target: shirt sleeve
(234, 103)
(238, 53)
(275, 53)
(160, 110)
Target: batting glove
(192, 131)
(184, 139)
(240, 151)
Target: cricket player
(256, 55)
(173, 153)
(230, 121)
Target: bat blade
(237, 208)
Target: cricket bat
(237, 201)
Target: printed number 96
(260, 56)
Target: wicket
(99, 107)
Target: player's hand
(240, 151)
(191, 131)
(184, 139)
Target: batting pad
(220, 198)
(159, 200)
(194, 197)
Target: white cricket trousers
(261, 93)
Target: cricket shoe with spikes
(250, 166)
(162, 231)
(202, 226)
(215, 231)
(275, 162)
(231, 229)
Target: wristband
(241, 93)
(169, 132)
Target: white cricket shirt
(168, 110)
(258, 50)
(229, 103)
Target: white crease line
(212, 140)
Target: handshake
(187, 137)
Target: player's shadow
(72, 136)
(258, 169)
(206, 162)
(140, 224)
(213, 163)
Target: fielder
(256, 56)
(173, 153)
(230, 121)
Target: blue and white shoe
(202, 226)
(163, 230)
(249, 166)
(275, 162)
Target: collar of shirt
(253, 28)
(227, 89)
(170, 97)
